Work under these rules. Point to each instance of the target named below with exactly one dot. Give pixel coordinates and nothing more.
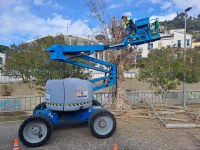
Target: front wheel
(35, 131)
(102, 123)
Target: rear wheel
(102, 123)
(35, 131)
(40, 106)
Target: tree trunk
(121, 102)
(120, 58)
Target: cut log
(156, 114)
(148, 117)
(182, 125)
(174, 119)
(169, 112)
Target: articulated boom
(144, 34)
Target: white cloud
(178, 5)
(115, 6)
(127, 14)
(39, 2)
(155, 1)
(128, 1)
(47, 3)
(164, 17)
(5, 4)
(18, 23)
(183, 4)
(57, 6)
(166, 5)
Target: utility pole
(67, 23)
(184, 61)
(67, 26)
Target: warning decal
(81, 93)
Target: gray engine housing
(69, 94)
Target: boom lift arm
(66, 53)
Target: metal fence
(170, 98)
(9, 104)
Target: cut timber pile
(169, 116)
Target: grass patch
(12, 116)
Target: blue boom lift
(70, 101)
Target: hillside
(193, 25)
(3, 48)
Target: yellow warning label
(78, 104)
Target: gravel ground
(141, 134)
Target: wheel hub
(36, 130)
(102, 123)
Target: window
(188, 42)
(179, 43)
(1, 60)
(96, 55)
(197, 47)
(150, 45)
(160, 45)
(168, 46)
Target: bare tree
(112, 31)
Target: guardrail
(28, 103)
(170, 98)
(25, 103)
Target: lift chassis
(70, 101)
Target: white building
(171, 38)
(78, 40)
(2, 60)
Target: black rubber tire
(40, 106)
(96, 103)
(94, 116)
(32, 118)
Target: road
(140, 134)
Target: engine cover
(69, 94)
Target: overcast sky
(22, 20)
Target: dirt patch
(22, 89)
(13, 116)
